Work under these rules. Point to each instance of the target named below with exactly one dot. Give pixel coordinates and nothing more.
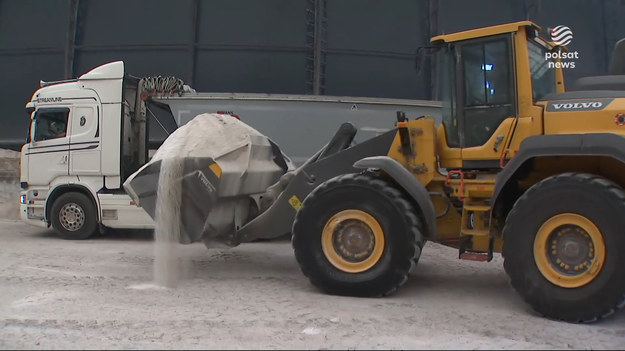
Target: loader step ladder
(474, 191)
(475, 220)
(476, 256)
(475, 228)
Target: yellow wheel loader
(518, 166)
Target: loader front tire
(564, 247)
(356, 235)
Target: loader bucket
(221, 169)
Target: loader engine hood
(209, 175)
(575, 112)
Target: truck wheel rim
(353, 241)
(72, 217)
(569, 250)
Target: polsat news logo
(561, 36)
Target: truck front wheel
(73, 216)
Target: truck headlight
(23, 199)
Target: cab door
(48, 152)
(84, 142)
(486, 96)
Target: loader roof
(483, 32)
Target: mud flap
(199, 184)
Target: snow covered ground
(98, 294)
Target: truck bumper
(33, 215)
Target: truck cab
(73, 163)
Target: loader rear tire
(564, 247)
(73, 216)
(356, 235)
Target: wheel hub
(569, 250)
(572, 250)
(352, 241)
(71, 217)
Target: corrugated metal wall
(333, 47)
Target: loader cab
(486, 79)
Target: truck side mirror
(29, 111)
(30, 128)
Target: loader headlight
(23, 199)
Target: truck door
(84, 142)
(48, 153)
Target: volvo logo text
(572, 105)
(578, 105)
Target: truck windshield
(543, 74)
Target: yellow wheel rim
(353, 241)
(569, 250)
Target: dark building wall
(371, 46)
(334, 47)
(596, 24)
(32, 40)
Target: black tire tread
(414, 227)
(602, 184)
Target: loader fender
(595, 144)
(409, 183)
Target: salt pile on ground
(9, 200)
(207, 135)
(9, 188)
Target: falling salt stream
(207, 135)
(167, 230)
(192, 139)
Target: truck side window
(488, 90)
(51, 123)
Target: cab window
(543, 77)
(446, 93)
(51, 124)
(488, 88)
